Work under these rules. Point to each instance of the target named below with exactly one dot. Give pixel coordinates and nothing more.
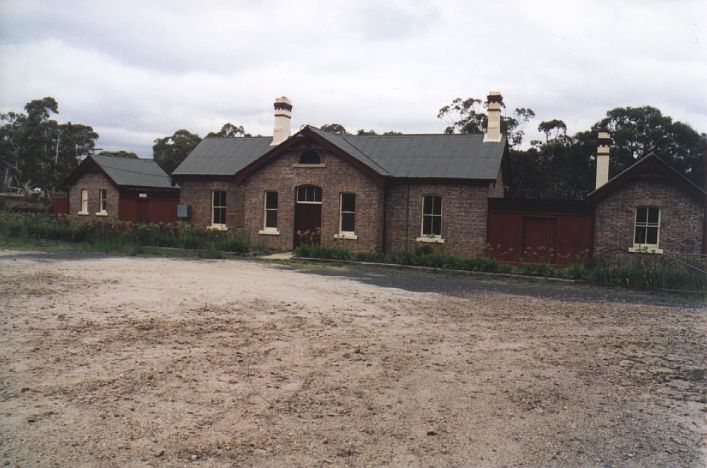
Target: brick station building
(367, 193)
(431, 192)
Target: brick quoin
(681, 223)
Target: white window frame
(84, 202)
(309, 202)
(645, 247)
(431, 238)
(346, 234)
(214, 225)
(270, 230)
(102, 202)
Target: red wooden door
(308, 223)
(143, 212)
(539, 239)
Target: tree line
(38, 152)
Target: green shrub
(117, 235)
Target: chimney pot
(494, 103)
(603, 148)
(283, 118)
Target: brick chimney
(493, 128)
(283, 117)
(604, 142)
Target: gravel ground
(115, 361)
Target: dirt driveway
(110, 361)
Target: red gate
(538, 231)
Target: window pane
(348, 202)
(427, 205)
(301, 193)
(427, 225)
(437, 225)
(219, 215)
(437, 205)
(652, 235)
(317, 194)
(219, 198)
(653, 215)
(347, 221)
(641, 215)
(271, 200)
(271, 219)
(640, 235)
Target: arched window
(309, 157)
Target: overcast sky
(139, 70)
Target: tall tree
(468, 116)
(120, 154)
(335, 128)
(229, 130)
(36, 151)
(552, 128)
(639, 131)
(170, 151)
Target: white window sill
(430, 239)
(645, 249)
(308, 165)
(82, 213)
(346, 235)
(269, 232)
(218, 227)
(101, 213)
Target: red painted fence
(537, 231)
(60, 205)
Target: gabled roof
(223, 156)
(648, 168)
(412, 156)
(125, 172)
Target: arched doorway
(308, 214)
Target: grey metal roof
(433, 155)
(134, 172)
(223, 156)
(423, 155)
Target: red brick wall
(464, 215)
(681, 222)
(93, 182)
(337, 175)
(496, 189)
(197, 193)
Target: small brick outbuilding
(125, 189)
(648, 208)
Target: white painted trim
(82, 213)
(309, 165)
(430, 239)
(101, 213)
(218, 227)
(346, 235)
(422, 218)
(269, 232)
(645, 248)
